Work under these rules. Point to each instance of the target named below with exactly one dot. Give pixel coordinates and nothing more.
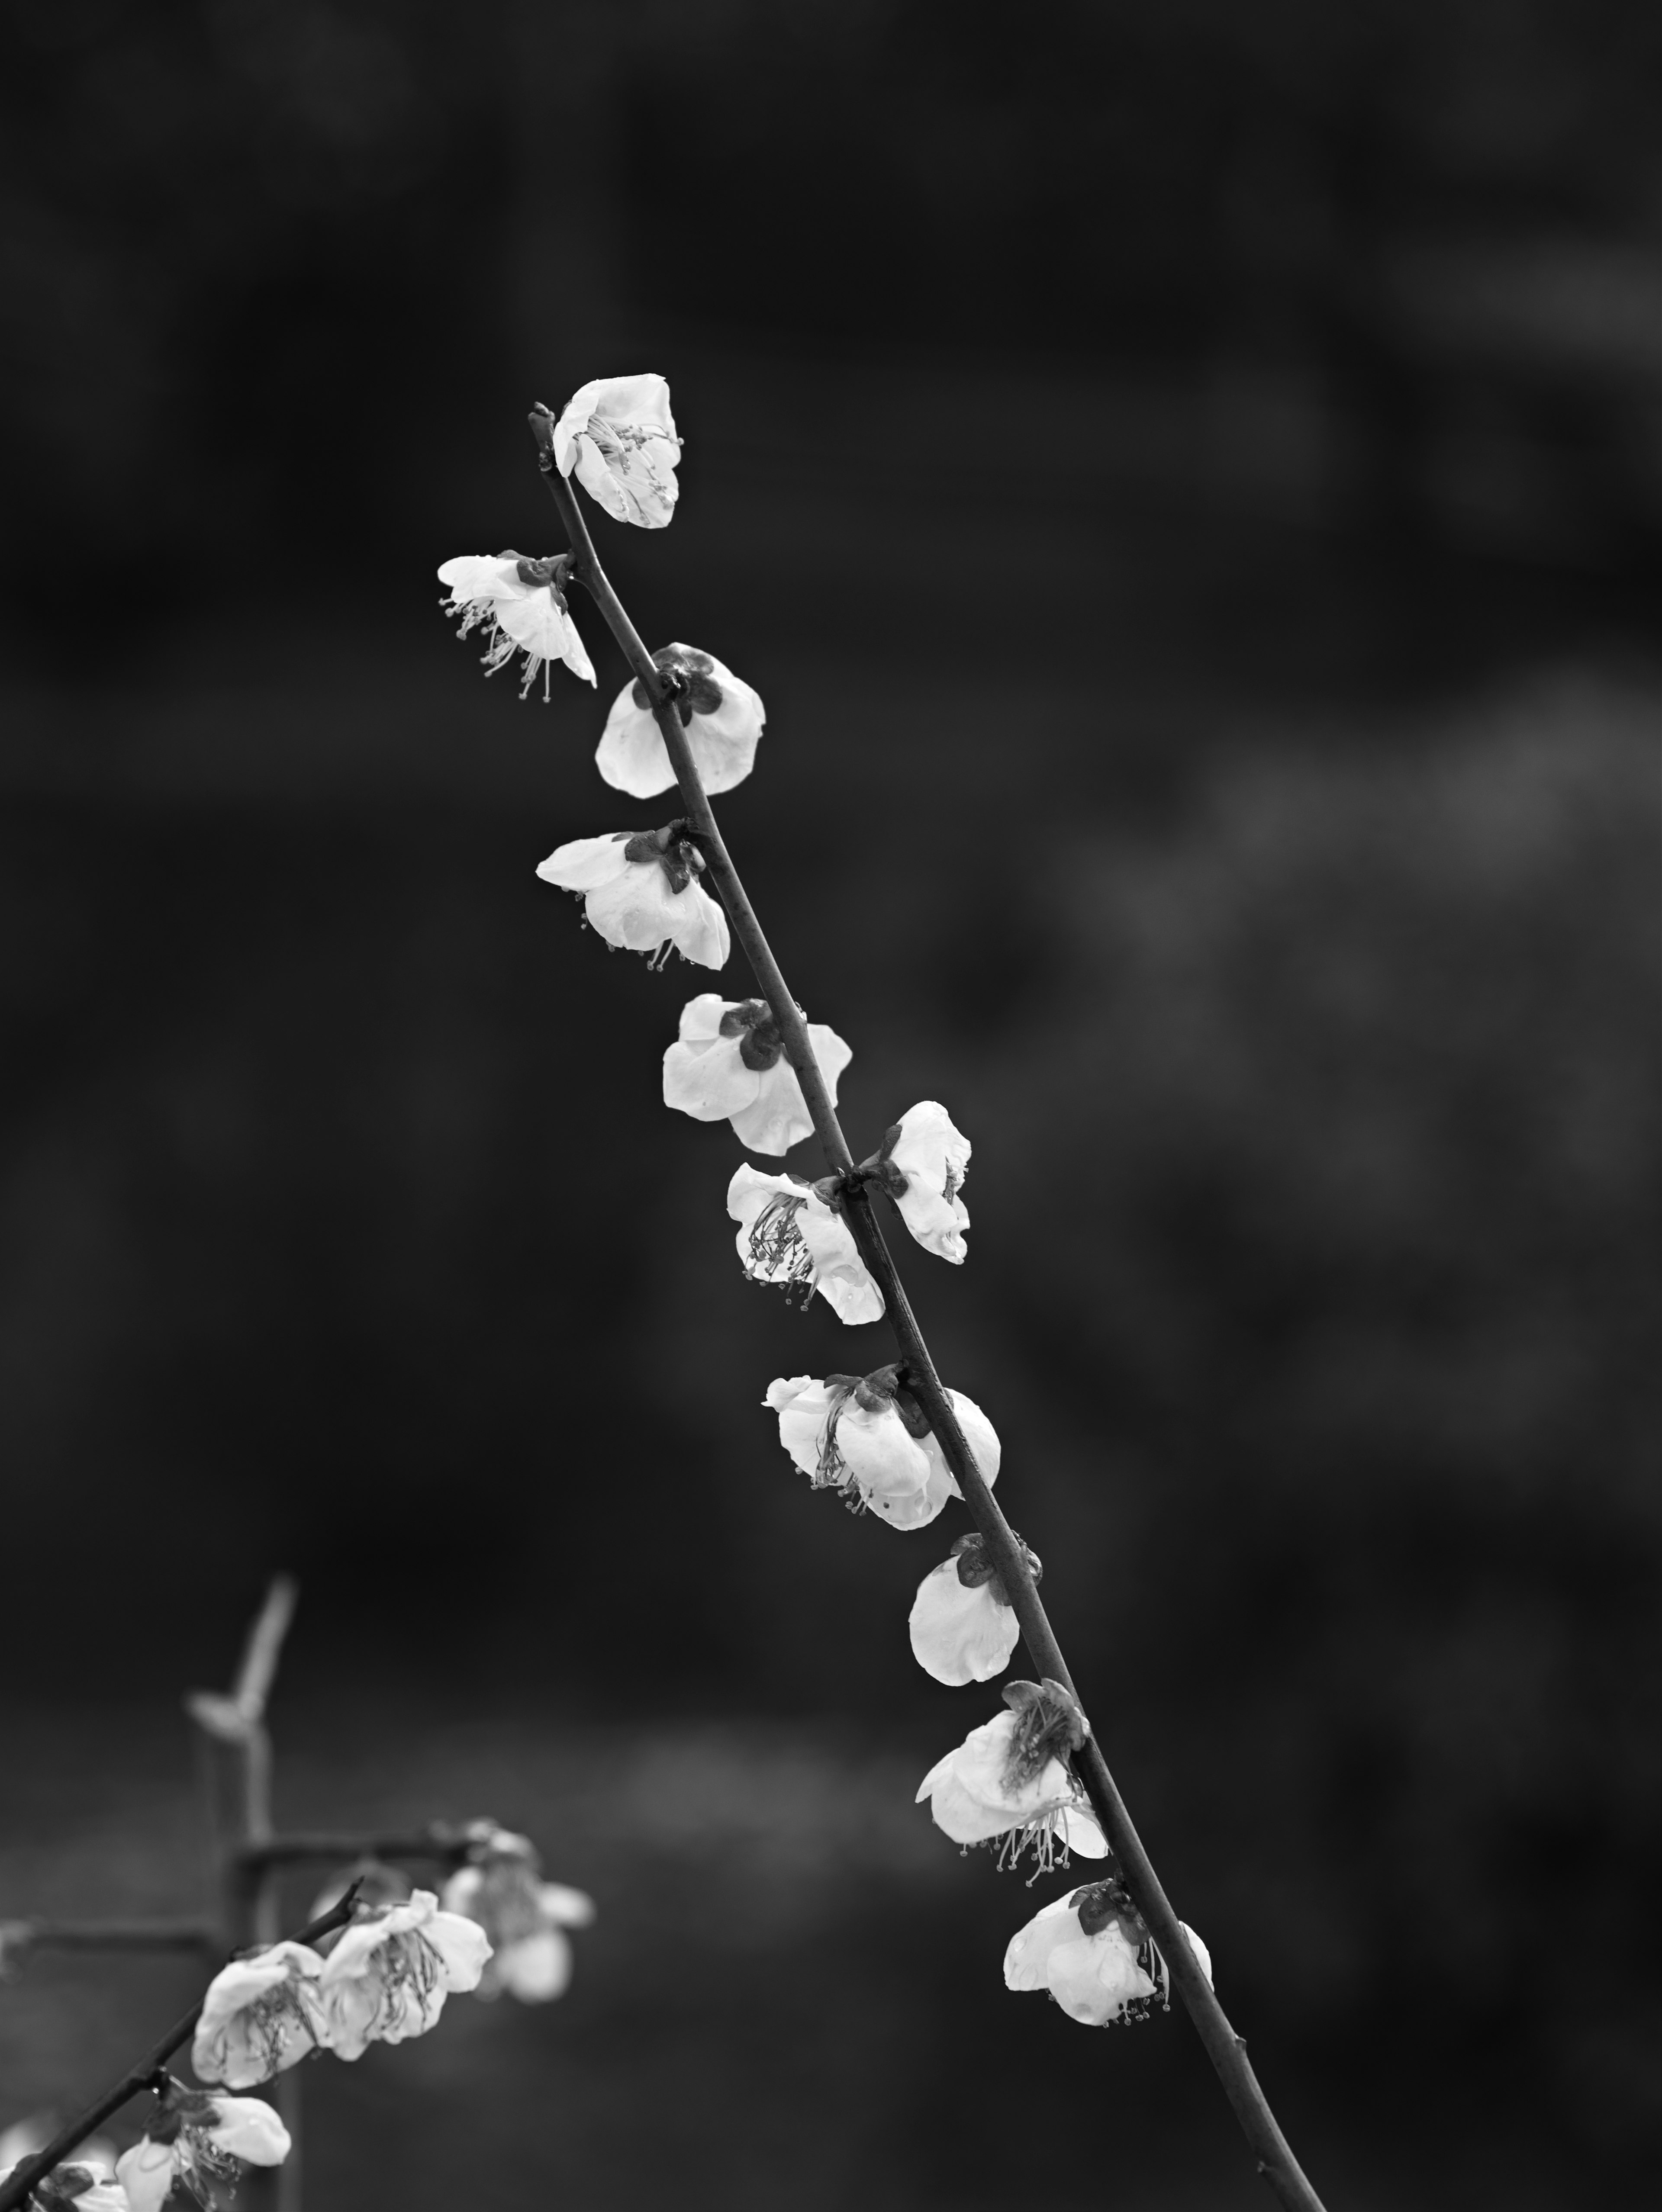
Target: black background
(1187, 482)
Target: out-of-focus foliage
(1397, 262)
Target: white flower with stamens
(1091, 1950)
(868, 1437)
(788, 1236)
(525, 1917)
(641, 890)
(962, 1626)
(388, 1977)
(618, 437)
(197, 2139)
(260, 2015)
(922, 1165)
(728, 1065)
(1007, 1780)
(525, 611)
(720, 713)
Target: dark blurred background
(1186, 479)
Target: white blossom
(962, 1625)
(525, 1917)
(523, 609)
(1006, 1780)
(618, 435)
(388, 1976)
(260, 2015)
(728, 1064)
(721, 714)
(641, 890)
(922, 1165)
(1092, 1952)
(867, 1436)
(197, 2139)
(86, 2180)
(788, 1236)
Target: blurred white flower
(1092, 1952)
(618, 434)
(525, 611)
(388, 1977)
(922, 1165)
(525, 1917)
(85, 2180)
(868, 1437)
(1005, 1779)
(260, 2015)
(728, 1064)
(789, 1237)
(962, 1626)
(197, 2138)
(640, 890)
(720, 713)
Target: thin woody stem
(15, 2190)
(1227, 2049)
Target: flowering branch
(663, 689)
(15, 2188)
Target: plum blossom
(525, 1917)
(388, 1976)
(618, 435)
(868, 1437)
(197, 2139)
(922, 1165)
(720, 713)
(962, 1625)
(87, 2181)
(1006, 1779)
(261, 2015)
(728, 1064)
(1091, 1950)
(521, 603)
(790, 1235)
(641, 890)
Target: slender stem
(16, 2188)
(1227, 2049)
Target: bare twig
(1227, 2049)
(42, 1935)
(15, 2190)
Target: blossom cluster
(870, 1438)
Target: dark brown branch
(16, 2188)
(1227, 2049)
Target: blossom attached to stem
(388, 1975)
(86, 2182)
(616, 435)
(641, 890)
(721, 714)
(1092, 1952)
(1007, 1779)
(196, 2139)
(868, 1437)
(728, 1064)
(260, 2015)
(525, 1917)
(523, 607)
(921, 1166)
(962, 1625)
(792, 1236)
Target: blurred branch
(439, 1842)
(42, 1935)
(15, 2188)
(1227, 2049)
